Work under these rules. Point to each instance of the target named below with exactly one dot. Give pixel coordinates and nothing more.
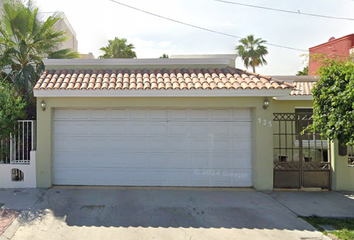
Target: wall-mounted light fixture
(265, 103)
(43, 105)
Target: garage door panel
(137, 160)
(199, 114)
(158, 128)
(152, 147)
(179, 144)
(242, 114)
(122, 114)
(180, 177)
(199, 128)
(200, 160)
(61, 143)
(200, 144)
(79, 129)
(137, 176)
(222, 144)
(119, 128)
(99, 114)
(179, 160)
(61, 129)
(61, 114)
(158, 144)
(222, 129)
(99, 129)
(240, 144)
(242, 129)
(178, 114)
(220, 114)
(178, 128)
(80, 114)
(158, 114)
(222, 160)
(138, 128)
(158, 160)
(138, 144)
(138, 114)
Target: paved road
(109, 213)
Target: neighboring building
(340, 47)
(232, 57)
(87, 56)
(64, 25)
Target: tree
(118, 48)
(24, 42)
(334, 102)
(252, 51)
(11, 109)
(164, 56)
(303, 72)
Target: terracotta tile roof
(302, 88)
(127, 79)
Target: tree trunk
(254, 68)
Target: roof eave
(294, 98)
(164, 93)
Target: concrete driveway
(119, 213)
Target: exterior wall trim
(295, 98)
(50, 63)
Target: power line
(201, 28)
(285, 11)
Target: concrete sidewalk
(12, 202)
(130, 213)
(167, 213)
(20, 199)
(322, 204)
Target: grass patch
(344, 227)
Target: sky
(97, 21)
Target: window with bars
(351, 156)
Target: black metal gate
(301, 158)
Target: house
(340, 48)
(196, 122)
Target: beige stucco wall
(262, 145)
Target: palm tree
(24, 42)
(252, 51)
(118, 48)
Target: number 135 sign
(265, 122)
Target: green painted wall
(342, 175)
(289, 106)
(261, 133)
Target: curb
(333, 237)
(11, 230)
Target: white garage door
(152, 147)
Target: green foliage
(252, 52)
(24, 42)
(11, 109)
(164, 56)
(334, 102)
(118, 48)
(303, 72)
(344, 227)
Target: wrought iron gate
(301, 157)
